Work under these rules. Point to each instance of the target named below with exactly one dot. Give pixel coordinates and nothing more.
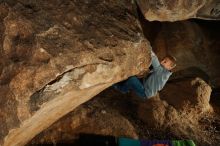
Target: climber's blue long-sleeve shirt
(157, 79)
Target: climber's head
(169, 62)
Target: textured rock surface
(195, 93)
(187, 98)
(211, 10)
(179, 109)
(174, 10)
(57, 54)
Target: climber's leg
(132, 83)
(121, 86)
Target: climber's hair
(172, 59)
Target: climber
(149, 86)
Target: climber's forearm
(155, 61)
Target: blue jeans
(132, 83)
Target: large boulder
(175, 10)
(153, 112)
(55, 55)
(180, 102)
(187, 94)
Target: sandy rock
(194, 93)
(210, 11)
(174, 10)
(180, 101)
(153, 112)
(56, 55)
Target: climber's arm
(155, 61)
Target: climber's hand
(152, 53)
